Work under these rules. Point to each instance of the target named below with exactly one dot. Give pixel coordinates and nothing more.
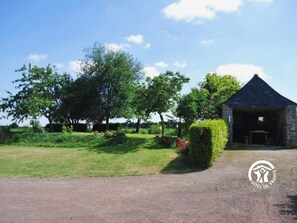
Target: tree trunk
(137, 125)
(50, 121)
(107, 123)
(162, 124)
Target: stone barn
(257, 114)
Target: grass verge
(139, 155)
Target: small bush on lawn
(108, 134)
(183, 146)
(154, 129)
(166, 141)
(207, 140)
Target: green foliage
(154, 129)
(205, 102)
(5, 133)
(39, 94)
(167, 141)
(74, 140)
(183, 146)
(163, 92)
(79, 102)
(192, 106)
(108, 134)
(46, 139)
(66, 129)
(187, 108)
(216, 90)
(36, 126)
(114, 75)
(207, 140)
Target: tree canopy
(111, 85)
(163, 92)
(113, 75)
(205, 101)
(40, 90)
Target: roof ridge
(258, 94)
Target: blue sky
(194, 37)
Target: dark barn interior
(267, 126)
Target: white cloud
(243, 72)
(262, 1)
(75, 66)
(138, 39)
(181, 64)
(36, 57)
(59, 65)
(151, 71)
(147, 46)
(116, 47)
(193, 10)
(207, 42)
(161, 64)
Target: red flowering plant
(182, 146)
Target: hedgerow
(207, 140)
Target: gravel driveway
(222, 193)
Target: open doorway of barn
(258, 126)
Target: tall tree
(139, 104)
(79, 101)
(205, 101)
(39, 91)
(217, 88)
(190, 106)
(113, 74)
(163, 92)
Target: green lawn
(139, 155)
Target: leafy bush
(36, 126)
(46, 139)
(182, 146)
(108, 134)
(66, 129)
(166, 141)
(154, 129)
(170, 132)
(207, 140)
(5, 133)
(143, 131)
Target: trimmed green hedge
(207, 140)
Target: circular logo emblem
(262, 174)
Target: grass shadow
(130, 145)
(289, 208)
(180, 165)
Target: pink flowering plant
(182, 146)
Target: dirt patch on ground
(222, 193)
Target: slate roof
(257, 94)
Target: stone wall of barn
(291, 126)
(228, 117)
